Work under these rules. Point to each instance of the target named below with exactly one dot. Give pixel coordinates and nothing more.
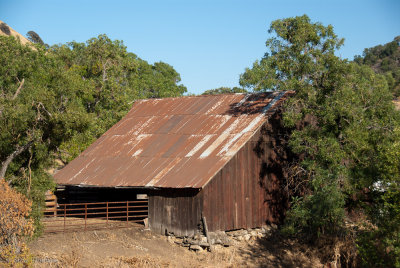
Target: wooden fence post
(127, 212)
(85, 214)
(65, 214)
(107, 212)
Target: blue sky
(209, 43)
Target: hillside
(7, 31)
(384, 59)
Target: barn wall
(247, 193)
(175, 210)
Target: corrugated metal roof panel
(173, 142)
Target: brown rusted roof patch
(173, 142)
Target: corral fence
(95, 216)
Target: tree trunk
(11, 157)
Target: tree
(117, 79)
(40, 109)
(224, 90)
(5, 29)
(34, 38)
(384, 59)
(349, 126)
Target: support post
(206, 231)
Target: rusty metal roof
(173, 142)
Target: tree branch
(19, 89)
(11, 157)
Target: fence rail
(94, 216)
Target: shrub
(14, 227)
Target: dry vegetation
(17, 35)
(135, 247)
(14, 227)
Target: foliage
(40, 109)
(224, 90)
(14, 226)
(384, 59)
(349, 127)
(56, 101)
(117, 78)
(5, 29)
(34, 38)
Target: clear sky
(209, 42)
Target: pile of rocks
(251, 234)
(198, 242)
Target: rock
(204, 244)
(247, 237)
(195, 248)
(170, 239)
(197, 237)
(193, 242)
(274, 226)
(203, 239)
(220, 238)
(253, 233)
(239, 238)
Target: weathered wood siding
(246, 193)
(175, 210)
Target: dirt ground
(136, 247)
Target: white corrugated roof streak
(80, 171)
(220, 139)
(134, 142)
(144, 125)
(225, 118)
(199, 145)
(228, 144)
(250, 128)
(155, 171)
(242, 100)
(214, 106)
(236, 147)
(214, 145)
(137, 152)
(271, 103)
(163, 172)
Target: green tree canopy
(351, 125)
(384, 59)
(224, 90)
(40, 108)
(117, 79)
(56, 101)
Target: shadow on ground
(278, 251)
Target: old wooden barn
(195, 156)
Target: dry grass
(135, 247)
(19, 36)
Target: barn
(206, 156)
